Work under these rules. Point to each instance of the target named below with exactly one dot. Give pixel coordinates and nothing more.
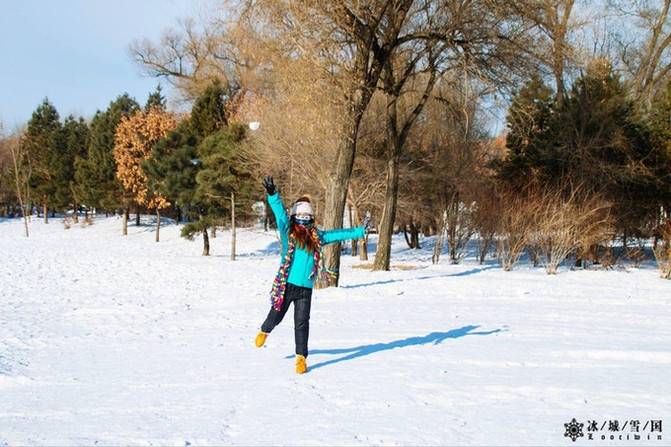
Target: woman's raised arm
(279, 211)
(276, 205)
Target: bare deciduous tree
(645, 51)
(21, 170)
(190, 57)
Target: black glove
(269, 185)
(366, 223)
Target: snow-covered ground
(120, 340)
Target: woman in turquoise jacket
(301, 263)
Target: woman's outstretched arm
(342, 234)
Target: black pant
(302, 298)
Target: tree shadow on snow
(472, 271)
(360, 351)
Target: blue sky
(75, 52)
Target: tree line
(129, 157)
(385, 107)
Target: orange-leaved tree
(134, 139)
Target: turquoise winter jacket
(301, 265)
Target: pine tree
(75, 140)
(97, 185)
(176, 162)
(171, 170)
(604, 145)
(43, 144)
(660, 124)
(224, 183)
(593, 139)
(660, 120)
(209, 111)
(529, 124)
(155, 99)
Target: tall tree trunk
(137, 217)
(75, 214)
(370, 56)
(453, 226)
(397, 133)
(158, 224)
(440, 238)
(179, 213)
(485, 247)
(206, 243)
(363, 253)
(25, 219)
(126, 213)
(18, 181)
(46, 213)
(437, 248)
(414, 233)
(356, 242)
(336, 195)
(233, 236)
(405, 235)
(351, 225)
(413, 239)
(386, 227)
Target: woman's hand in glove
(269, 185)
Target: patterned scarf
(319, 269)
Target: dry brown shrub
(551, 223)
(597, 254)
(608, 258)
(516, 226)
(565, 222)
(636, 255)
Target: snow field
(120, 340)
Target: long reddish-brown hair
(306, 238)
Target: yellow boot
(260, 339)
(301, 366)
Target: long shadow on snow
(360, 351)
(472, 271)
